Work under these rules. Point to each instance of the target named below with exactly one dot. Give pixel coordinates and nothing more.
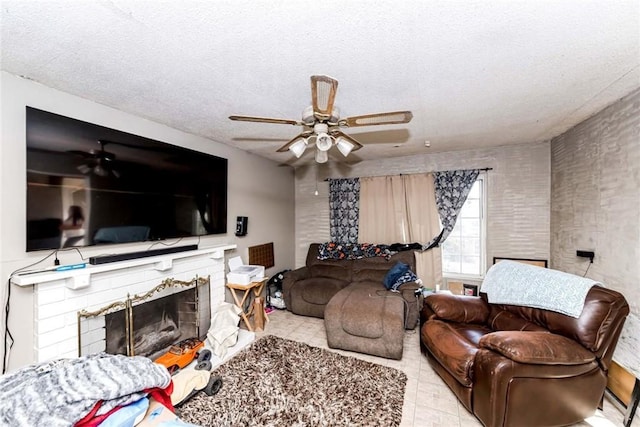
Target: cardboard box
(455, 287)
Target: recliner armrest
(289, 280)
(536, 348)
(458, 308)
(297, 274)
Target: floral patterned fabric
(409, 276)
(344, 195)
(335, 250)
(452, 189)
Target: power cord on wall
(587, 270)
(8, 336)
(171, 244)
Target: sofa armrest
(297, 274)
(414, 303)
(458, 308)
(409, 286)
(536, 348)
(289, 280)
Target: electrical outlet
(586, 254)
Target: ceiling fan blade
(286, 146)
(323, 94)
(265, 120)
(81, 153)
(391, 118)
(356, 144)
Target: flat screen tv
(88, 185)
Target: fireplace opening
(156, 324)
(148, 324)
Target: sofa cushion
(332, 271)
(590, 329)
(502, 320)
(369, 275)
(357, 319)
(319, 290)
(364, 314)
(538, 348)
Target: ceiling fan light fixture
(344, 146)
(298, 147)
(322, 156)
(100, 171)
(324, 142)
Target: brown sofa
(360, 313)
(307, 290)
(521, 366)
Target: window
(463, 251)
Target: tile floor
(427, 401)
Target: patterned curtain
(343, 209)
(452, 189)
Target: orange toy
(183, 353)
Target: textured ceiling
(474, 73)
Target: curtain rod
(377, 176)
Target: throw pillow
(409, 276)
(394, 273)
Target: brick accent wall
(595, 205)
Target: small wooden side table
(256, 307)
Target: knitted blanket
(62, 392)
(515, 283)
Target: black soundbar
(95, 260)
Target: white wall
(518, 195)
(596, 197)
(257, 188)
(595, 206)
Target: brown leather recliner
(520, 366)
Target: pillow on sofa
(394, 274)
(409, 276)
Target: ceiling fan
(97, 162)
(321, 122)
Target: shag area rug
(279, 382)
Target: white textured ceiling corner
(474, 73)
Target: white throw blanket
(62, 392)
(516, 283)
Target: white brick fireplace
(60, 295)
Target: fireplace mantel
(59, 296)
(80, 278)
